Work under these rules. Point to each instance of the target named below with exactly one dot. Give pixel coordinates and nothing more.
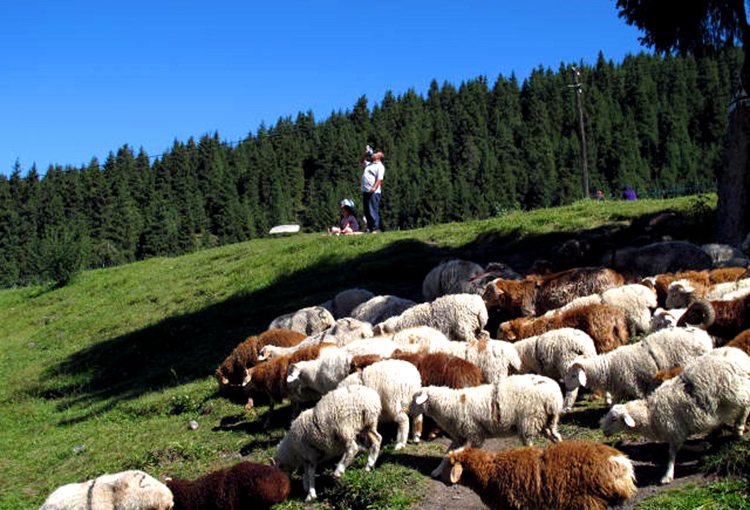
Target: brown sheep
(232, 370)
(723, 319)
(535, 295)
(606, 325)
(270, 376)
(741, 342)
(581, 475)
(701, 281)
(243, 486)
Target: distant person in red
(628, 193)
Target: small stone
(193, 425)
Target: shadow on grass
(189, 347)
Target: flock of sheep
(673, 345)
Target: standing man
(372, 180)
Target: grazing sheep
(395, 381)
(127, 490)
(342, 332)
(605, 324)
(495, 358)
(477, 284)
(657, 258)
(343, 422)
(526, 404)
(551, 353)
(628, 371)
(270, 378)
(435, 369)
(443, 278)
(722, 318)
(322, 374)
(310, 321)
(381, 308)
(535, 295)
(345, 301)
(576, 474)
(240, 487)
(247, 354)
(712, 390)
(459, 316)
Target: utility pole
(584, 159)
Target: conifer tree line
(453, 154)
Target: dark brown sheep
(232, 370)
(581, 475)
(606, 325)
(723, 319)
(244, 486)
(535, 295)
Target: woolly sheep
(657, 258)
(495, 358)
(395, 381)
(127, 490)
(442, 278)
(343, 422)
(232, 370)
(242, 486)
(628, 371)
(320, 375)
(722, 318)
(381, 308)
(310, 320)
(536, 295)
(574, 474)
(342, 332)
(458, 316)
(422, 339)
(527, 404)
(345, 301)
(712, 390)
(605, 324)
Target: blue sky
(79, 79)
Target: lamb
(528, 404)
(310, 321)
(445, 276)
(343, 422)
(345, 301)
(239, 487)
(246, 355)
(551, 353)
(712, 390)
(127, 490)
(628, 371)
(605, 324)
(395, 381)
(536, 295)
(574, 474)
(342, 332)
(381, 308)
(459, 316)
(725, 318)
(495, 358)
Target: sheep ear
(248, 377)
(293, 374)
(456, 472)
(628, 420)
(421, 399)
(582, 379)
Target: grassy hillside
(104, 374)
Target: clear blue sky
(81, 78)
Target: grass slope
(104, 374)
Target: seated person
(348, 223)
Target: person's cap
(378, 155)
(347, 202)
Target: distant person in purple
(628, 193)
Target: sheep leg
(570, 399)
(402, 420)
(352, 448)
(417, 428)
(740, 423)
(669, 475)
(268, 420)
(551, 429)
(455, 445)
(375, 440)
(308, 482)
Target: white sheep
(459, 316)
(395, 381)
(422, 339)
(526, 404)
(342, 332)
(343, 422)
(320, 375)
(310, 320)
(345, 301)
(497, 359)
(662, 318)
(628, 371)
(712, 390)
(380, 308)
(127, 490)
(551, 353)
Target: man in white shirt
(372, 181)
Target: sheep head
(617, 419)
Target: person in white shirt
(372, 182)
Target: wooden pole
(584, 159)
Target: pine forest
(476, 150)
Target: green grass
(105, 373)
(723, 495)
